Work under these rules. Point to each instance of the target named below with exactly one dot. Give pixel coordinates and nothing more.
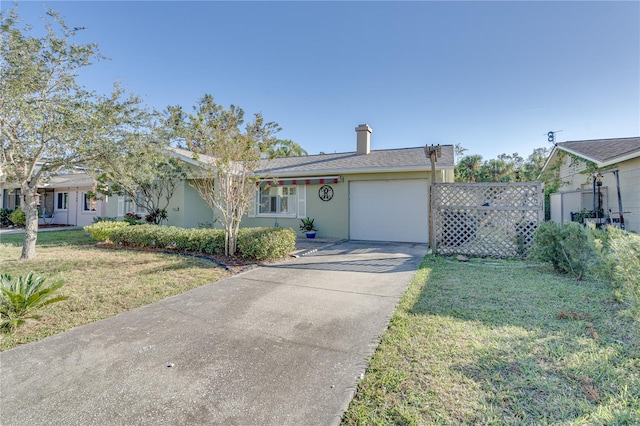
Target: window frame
(88, 202)
(131, 205)
(65, 195)
(292, 201)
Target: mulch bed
(233, 264)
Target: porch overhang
(312, 180)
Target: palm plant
(20, 296)
(285, 148)
(307, 225)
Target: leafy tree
(47, 120)
(459, 150)
(504, 168)
(229, 154)
(285, 148)
(145, 174)
(468, 169)
(531, 169)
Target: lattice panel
(486, 220)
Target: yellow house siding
(630, 191)
(629, 172)
(570, 174)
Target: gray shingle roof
(71, 179)
(604, 151)
(384, 160)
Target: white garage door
(390, 210)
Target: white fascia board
(619, 159)
(546, 163)
(303, 177)
(570, 151)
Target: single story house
(618, 172)
(364, 194)
(66, 199)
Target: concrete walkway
(280, 344)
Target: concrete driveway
(280, 344)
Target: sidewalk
(8, 231)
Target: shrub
(20, 296)
(156, 216)
(582, 215)
(209, 241)
(133, 218)
(611, 254)
(266, 243)
(101, 230)
(621, 257)
(18, 217)
(253, 243)
(104, 219)
(5, 219)
(570, 248)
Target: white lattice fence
(486, 219)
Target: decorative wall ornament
(325, 193)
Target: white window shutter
(254, 206)
(302, 201)
(120, 206)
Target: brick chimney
(363, 139)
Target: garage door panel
(394, 210)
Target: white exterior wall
(75, 214)
(576, 193)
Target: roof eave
(546, 163)
(620, 159)
(361, 170)
(598, 163)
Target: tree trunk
(30, 209)
(231, 240)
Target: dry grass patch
(100, 283)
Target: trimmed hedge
(209, 241)
(253, 243)
(266, 243)
(101, 230)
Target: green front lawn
(502, 343)
(99, 282)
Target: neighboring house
(364, 195)
(577, 184)
(66, 199)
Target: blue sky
(492, 76)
